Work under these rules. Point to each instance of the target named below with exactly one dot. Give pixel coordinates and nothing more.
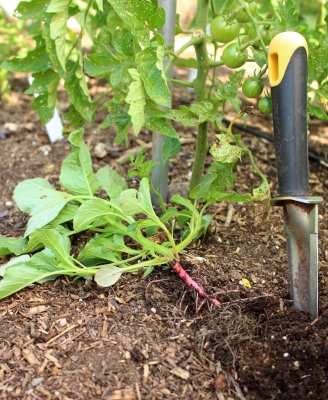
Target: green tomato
(232, 57)
(265, 105)
(242, 17)
(222, 31)
(267, 35)
(252, 87)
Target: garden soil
(154, 338)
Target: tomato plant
(129, 52)
(223, 31)
(265, 105)
(241, 16)
(233, 57)
(252, 87)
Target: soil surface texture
(154, 338)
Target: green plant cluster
(129, 52)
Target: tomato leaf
(45, 86)
(150, 66)
(37, 60)
(136, 97)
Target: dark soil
(154, 338)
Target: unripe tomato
(242, 17)
(266, 34)
(222, 31)
(265, 105)
(232, 57)
(252, 87)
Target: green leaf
(45, 86)
(195, 115)
(137, 202)
(317, 112)
(108, 275)
(12, 246)
(150, 66)
(186, 63)
(184, 202)
(36, 60)
(122, 120)
(101, 64)
(116, 244)
(14, 261)
(111, 181)
(94, 250)
(76, 87)
(59, 244)
(288, 17)
(89, 211)
(228, 90)
(39, 199)
(136, 97)
(163, 127)
(318, 60)
(259, 57)
(227, 152)
(158, 20)
(100, 4)
(33, 10)
(171, 148)
(76, 175)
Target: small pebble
(8, 203)
(284, 337)
(153, 310)
(37, 381)
(286, 354)
(63, 322)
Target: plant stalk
(199, 86)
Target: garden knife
(287, 60)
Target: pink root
(183, 274)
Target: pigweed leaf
(150, 66)
(39, 199)
(45, 86)
(59, 244)
(12, 246)
(14, 261)
(76, 175)
(138, 202)
(116, 244)
(111, 181)
(171, 148)
(184, 202)
(95, 210)
(136, 98)
(37, 60)
(108, 275)
(95, 251)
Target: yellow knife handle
(287, 61)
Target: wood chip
(220, 383)
(181, 373)
(253, 278)
(30, 357)
(37, 310)
(121, 394)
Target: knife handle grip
(288, 80)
